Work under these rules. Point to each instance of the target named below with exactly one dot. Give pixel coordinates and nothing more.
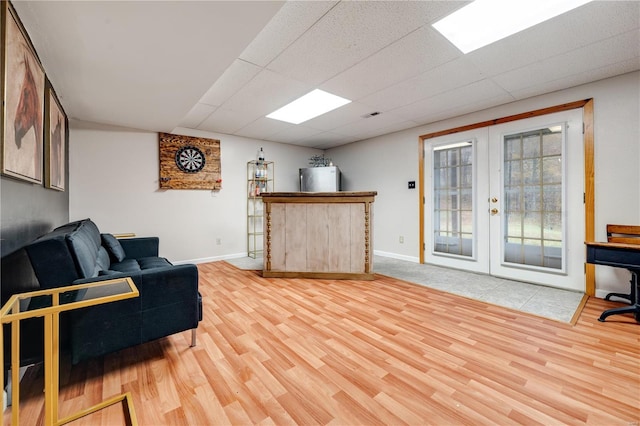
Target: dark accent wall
(27, 211)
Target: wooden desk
(48, 304)
(618, 255)
(318, 235)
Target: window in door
(533, 192)
(453, 199)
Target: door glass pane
(466, 199)
(532, 182)
(453, 199)
(513, 199)
(513, 173)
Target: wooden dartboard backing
(188, 162)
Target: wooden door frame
(589, 170)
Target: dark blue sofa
(77, 253)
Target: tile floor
(547, 302)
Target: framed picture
(22, 117)
(55, 141)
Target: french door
(507, 200)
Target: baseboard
(397, 256)
(602, 293)
(210, 259)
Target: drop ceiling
(223, 66)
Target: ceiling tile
(618, 48)
(584, 77)
(234, 78)
(294, 134)
(325, 140)
(338, 117)
(434, 114)
(265, 93)
(456, 99)
(291, 21)
(262, 128)
(225, 120)
(197, 115)
(349, 33)
(366, 125)
(415, 53)
(457, 73)
(395, 127)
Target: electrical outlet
(218, 241)
(401, 239)
(412, 184)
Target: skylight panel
(483, 22)
(309, 106)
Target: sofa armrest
(168, 303)
(164, 286)
(135, 248)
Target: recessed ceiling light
(311, 105)
(483, 22)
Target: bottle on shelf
(261, 167)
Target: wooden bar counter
(318, 235)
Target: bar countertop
(320, 194)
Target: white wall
(386, 163)
(114, 180)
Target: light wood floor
(287, 351)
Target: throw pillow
(111, 243)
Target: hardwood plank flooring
(300, 351)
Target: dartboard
(190, 159)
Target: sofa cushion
(103, 261)
(153, 262)
(127, 265)
(84, 242)
(113, 246)
(136, 265)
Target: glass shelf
(260, 179)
